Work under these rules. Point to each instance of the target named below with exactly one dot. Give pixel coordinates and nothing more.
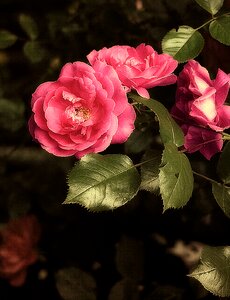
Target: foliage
(213, 270)
(119, 212)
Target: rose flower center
(75, 111)
(78, 114)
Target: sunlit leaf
(213, 272)
(222, 196)
(169, 129)
(223, 169)
(220, 28)
(183, 44)
(212, 6)
(176, 178)
(103, 182)
(29, 26)
(7, 39)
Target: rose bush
(84, 111)
(18, 250)
(200, 108)
(138, 68)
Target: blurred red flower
(18, 248)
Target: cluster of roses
(200, 110)
(86, 109)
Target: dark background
(126, 251)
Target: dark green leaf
(150, 171)
(222, 196)
(139, 141)
(125, 289)
(7, 39)
(184, 44)
(212, 6)
(220, 28)
(176, 178)
(169, 129)
(29, 26)
(75, 284)
(223, 168)
(34, 51)
(179, 6)
(129, 258)
(213, 271)
(103, 182)
(11, 114)
(18, 206)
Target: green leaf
(176, 178)
(220, 28)
(213, 271)
(222, 196)
(150, 171)
(29, 26)
(11, 114)
(139, 141)
(170, 131)
(34, 51)
(7, 39)
(130, 258)
(184, 44)
(125, 289)
(223, 169)
(212, 6)
(103, 182)
(73, 283)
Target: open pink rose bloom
(83, 112)
(138, 68)
(200, 108)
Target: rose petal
(18, 279)
(143, 92)
(224, 117)
(206, 141)
(125, 125)
(50, 145)
(221, 84)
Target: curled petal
(221, 84)
(224, 117)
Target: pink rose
(138, 68)
(200, 103)
(18, 248)
(84, 111)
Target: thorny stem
(206, 23)
(205, 177)
(194, 172)
(143, 162)
(201, 144)
(209, 21)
